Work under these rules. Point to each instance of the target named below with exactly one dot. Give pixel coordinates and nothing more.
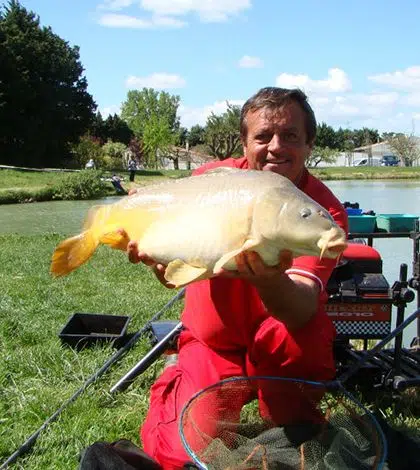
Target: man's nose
(275, 144)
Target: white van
(365, 162)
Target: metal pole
(146, 361)
(400, 318)
(371, 353)
(28, 444)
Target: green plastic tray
(396, 222)
(362, 223)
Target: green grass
(18, 186)
(38, 374)
(379, 172)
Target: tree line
(48, 118)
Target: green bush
(87, 147)
(86, 184)
(12, 196)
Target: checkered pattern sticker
(373, 329)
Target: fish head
(303, 226)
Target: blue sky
(358, 60)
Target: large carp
(197, 225)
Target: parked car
(389, 160)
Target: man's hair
(273, 98)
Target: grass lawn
(37, 374)
(15, 179)
(374, 172)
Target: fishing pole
(28, 444)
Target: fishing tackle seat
(360, 299)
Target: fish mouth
(332, 243)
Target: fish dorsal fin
(180, 273)
(222, 170)
(227, 261)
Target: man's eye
(291, 136)
(264, 137)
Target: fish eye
(305, 212)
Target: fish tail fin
(73, 252)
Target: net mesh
(274, 423)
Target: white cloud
(249, 62)
(408, 79)
(354, 106)
(114, 20)
(156, 80)
(208, 10)
(190, 116)
(115, 4)
(411, 99)
(337, 82)
(165, 13)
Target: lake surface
(66, 218)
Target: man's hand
(251, 267)
(136, 256)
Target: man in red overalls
(259, 320)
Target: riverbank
(29, 186)
(21, 186)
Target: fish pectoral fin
(180, 273)
(117, 239)
(227, 261)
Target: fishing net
(276, 423)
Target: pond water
(66, 217)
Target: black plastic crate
(87, 329)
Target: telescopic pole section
(146, 361)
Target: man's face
(276, 141)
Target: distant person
(90, 165)
(132, 167)
(116, 182)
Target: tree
(222, 134)
(86, 148)
(143, 106)
(365, 136)
(97, 128)
(113, 155)
(196, 135)
(181, 137)
(389, 135)
(321, 154)
(117, 130)
(157, 137)
(44, 103)
(326, 136)
(405, 147)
